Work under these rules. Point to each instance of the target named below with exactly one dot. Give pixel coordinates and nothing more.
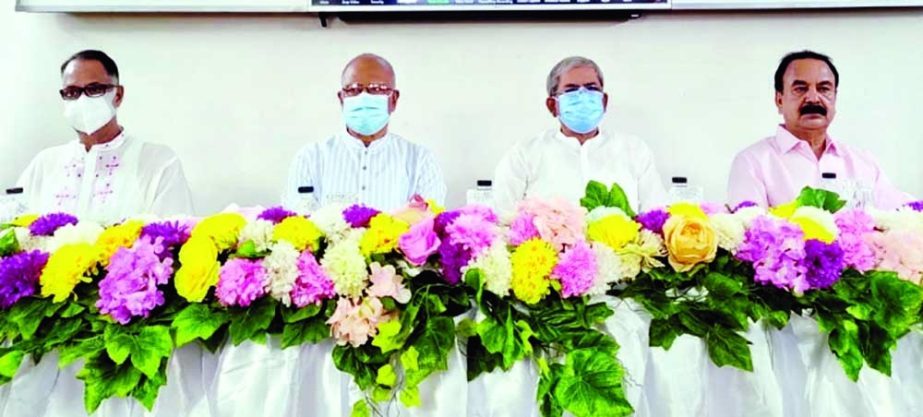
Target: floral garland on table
(389, 288)
(858, 274)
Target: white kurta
(111, 181)
(384, 175)
(554, 165)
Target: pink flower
(312, 284)
(240, 282)
(387, 283)
(557, 221)
(855, 226)
(354, 322)
(576, 270)
(472, 232)
(522, 229)
(417, 210)
(419, 242)
(713, 208)
(900, 251)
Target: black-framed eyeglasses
(375, 89)
(90, 90)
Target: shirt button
(363, 188)
(364, 167)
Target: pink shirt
(774, 170)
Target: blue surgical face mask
(366, 113)
(581, 110)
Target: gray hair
(567, 64)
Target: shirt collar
(115, 143)
(597, 140)
(785, 141)
(354, 143)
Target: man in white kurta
(365, 163)
(560, 162)
(106, 174)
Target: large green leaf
(726, 347)
(27, 314)
(591, 385)
(432, 347)
(146, 392)
(294, 315)
(305, 331)
(662, 333)
(844, 342)
(151, 345)
(103, 379)
(82, 349)
(61, 332)
(9, 364)
(8, 243)
(596, 195)
(823, 199)
(500, 338)
(198, 321)
(252, 323)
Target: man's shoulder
(755, 149)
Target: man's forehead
(579, 75)
(809, 70)
(80, 70)
(366, 72)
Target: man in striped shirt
(365, 163)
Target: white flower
(259, 232)
(641, 254)
(281, 271)
(821, 217)
(902, 219)
(496, 268)
(344, 262)
(729, 230)
(329, 219)
(609, 265)
(601, 212)
(747, 214)
(28, 242)
(83, 232)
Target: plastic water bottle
(681, 191)
(307, 203)
(482, 194)
(829, 182)
(12, 205)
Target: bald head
(368, 69)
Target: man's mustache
(813, 109)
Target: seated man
(774, 170)
(365, 163)
(105, 175)
(561, 161)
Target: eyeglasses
(353, 90)
(572, 88)
(90, 90)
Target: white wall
(236, 96)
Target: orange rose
(689, 241)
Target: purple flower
(776, 249)
(130, 286)
(172, 235)
(854, 225)
(824, 262)
(522, 229)
(358, 215)
(443, 220)
(471, 232)
(312, 285)
(743, 205)
(653, 220)
(240, 282)
(50, 223)
(454, 258)
(419, 242)
(19, 276)
(275, 214)
(576, 270)
(481, 211)
(915, 205)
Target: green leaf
(410, 397)
(859, 311)
(662, 333)
(728, 348)
(360, 409)
(147, 391)
(500, 338)
(596, 195)
(294, 315)
(9, 364)
(72, 310)
(598, 313)
(466, 328)
(694, 325)
(83, 349)
(28, 314)
(389, 336)
(823, 199)
(386, 376)
(119, 347)
(125, 380)
(103, 379)
(151, 345)
(433, 347)
(198, 321)
(844, 342)
(617, 198)
(722, 286)
(591, 385)
(63, 331)
(548, 404)
(252, 322)
(308, 331)
(8, 243)
(248, 250)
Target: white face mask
(89, 114)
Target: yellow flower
(687, 210)
(120, 236)
(532, 264)
(299, 231)
(199, 270)
(25, 220)
(786, 210)
(614, 231)
(816, 223)
(223, 229)
(689, 241)
(434, 206)
(67, 267)
(382, 235)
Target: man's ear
(392, 102)
(119, 95)
(779, 102)
(552, 104)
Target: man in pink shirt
(774, 170)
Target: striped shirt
(384, 175)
